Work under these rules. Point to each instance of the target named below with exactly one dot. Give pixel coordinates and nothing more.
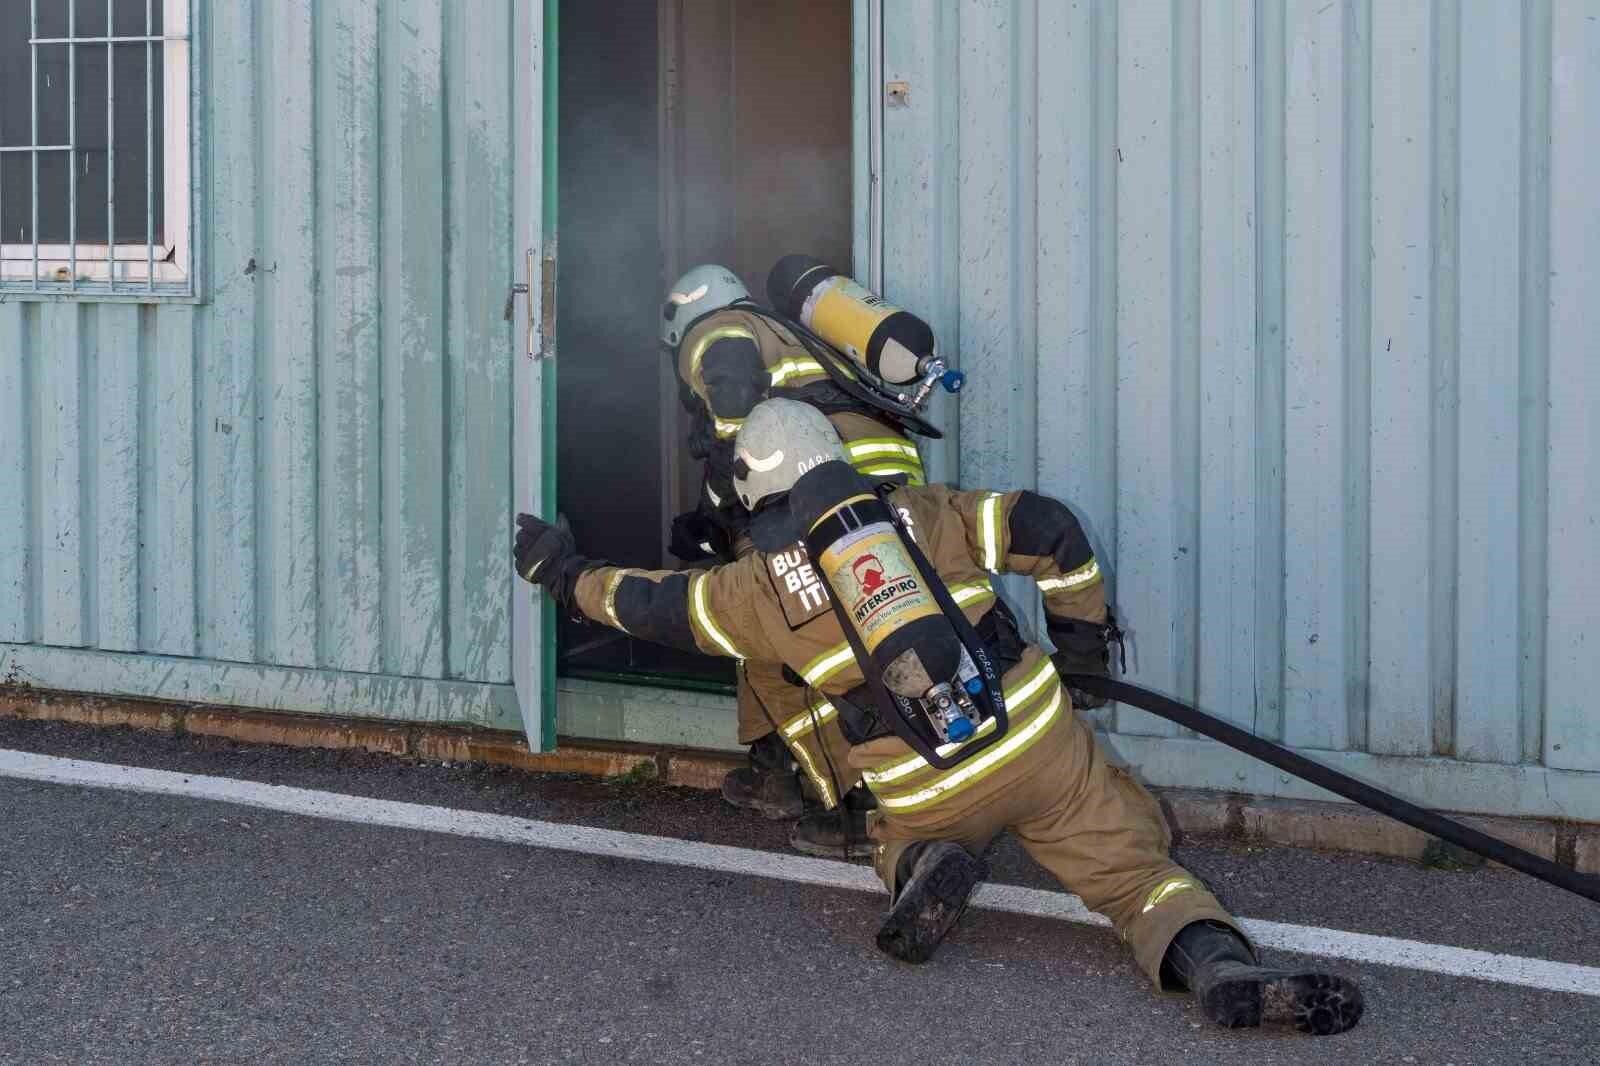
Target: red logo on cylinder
(869, 574)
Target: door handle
(511, 296)
(525, 288)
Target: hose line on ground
(1325, 777)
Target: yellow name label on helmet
(844, 313)
(872, 575)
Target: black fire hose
(1340, 784)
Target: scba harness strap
(896, 712)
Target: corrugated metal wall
(311, 468)
(1299, 304)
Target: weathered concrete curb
(1345, 827)
(1197, 814)
(595, 758)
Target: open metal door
(533, 434)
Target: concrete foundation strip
(609, 843)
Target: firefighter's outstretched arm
(710, 611)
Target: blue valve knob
(952, 380)
(959, 730)
(973, 685)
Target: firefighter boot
(837, 834)
(1220, 971)
(769, 784)
(1084, 648)
(935, 878)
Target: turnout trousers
(1080, 816)
(768, 703)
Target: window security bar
(52, 266)
(136, 39)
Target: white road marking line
(610, 843)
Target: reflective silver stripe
(702, 615)
(711, 494)
(1087, 574)
(881, 446)
(816, 776)
(989, 531)
(1166, 890)
(728, 427)
(965, 594)
(881, 469)
(1016, 699)
(793, 367)
(979, 766)
(827, 664)
(799, 726)
(803, 723)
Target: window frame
(177, 259)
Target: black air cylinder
(853, 543)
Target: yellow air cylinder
(888, 341)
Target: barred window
(94, 147)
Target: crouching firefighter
(730, 353)
(960, 728)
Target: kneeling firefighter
(960, 728)
(730, 353)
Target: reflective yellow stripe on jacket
(700, 617)
(611, 599)
(1033, 705)
(1087, 574)
(726, 427)
(794, 371)
(886, 457)
(827, 665)
(989, 532)
(881, 447)
(710, 337)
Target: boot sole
(920, 918)
(777, 812)
(1319, 1004)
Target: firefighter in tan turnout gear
(1043, 777)
(730, 355)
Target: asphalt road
(136, 928)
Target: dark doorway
(691, 131)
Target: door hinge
(547, 301)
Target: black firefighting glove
(697, 535)
(1085, 648)
(547, 555)
(702, 433)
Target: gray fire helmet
(779, 441)
(698, 293)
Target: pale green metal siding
(296, 493)
(1297, 304)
